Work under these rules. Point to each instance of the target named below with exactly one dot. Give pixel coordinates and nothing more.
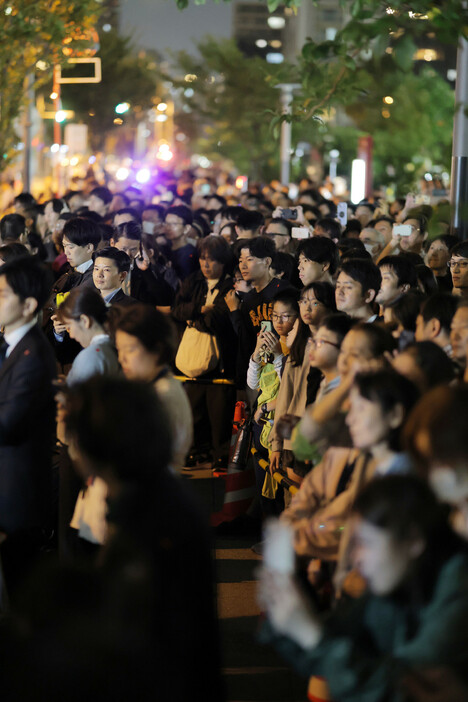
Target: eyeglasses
(318, 343)
(463, 265)
(283, 317)
(305, 301)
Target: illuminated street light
(53, 96)
(276, 22)
(261, 43)
(388, 100)
(358, 180)
(60, 116)
(162, 107)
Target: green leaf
(403, 53)
(273, 5)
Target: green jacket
(369, 643)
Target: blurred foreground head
(436, 436)
(118, 430)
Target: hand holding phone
(402, 229)
(279, 555)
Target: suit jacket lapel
(19, 350)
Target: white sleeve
(253, 374)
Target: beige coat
(316, 514)
(292, 396)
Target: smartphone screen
(402, 229)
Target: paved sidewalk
(254, 673)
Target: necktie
(3, 351)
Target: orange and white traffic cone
(239, 479)
(318, 690)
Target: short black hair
(152, 328)
(460, 249)
(27, 277)
(362, 271)
(12, 226)
(290, 297)
(26, 200)
(185, 213)
(420, 218)
(259, 246)
(102, 193)
(321, 250)
(231, 212)
(427, 282)
(284, 263)
(130, 211)
(448, 239)
(384, 218)
(218, 198)
(432, 361)
(339, 324)
(403, 268)
(57, 204)
(369, 205)
(82, 231)
(13, 250)
(440, 306)
(121, 259)
(352, 248)
(217, 248)
(380, 339)
(406, 308)
(250, 220)
(129, 230)
(330, 226)
(324, 292)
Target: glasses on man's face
(305, 301)
(283, 317)
(462, 265)
(318, 343)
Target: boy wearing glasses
(458, 265)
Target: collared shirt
(83, 267)
(110, 296)
(14, 337)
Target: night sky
(160, 25)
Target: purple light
(143, 175)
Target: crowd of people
(131, 324)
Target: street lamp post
(459, 180)
(287, 92)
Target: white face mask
(148, 227)
(369, 248)
(445, 485)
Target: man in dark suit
(142, 283)
(27, 416)
(111, 268)
(81, 237)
